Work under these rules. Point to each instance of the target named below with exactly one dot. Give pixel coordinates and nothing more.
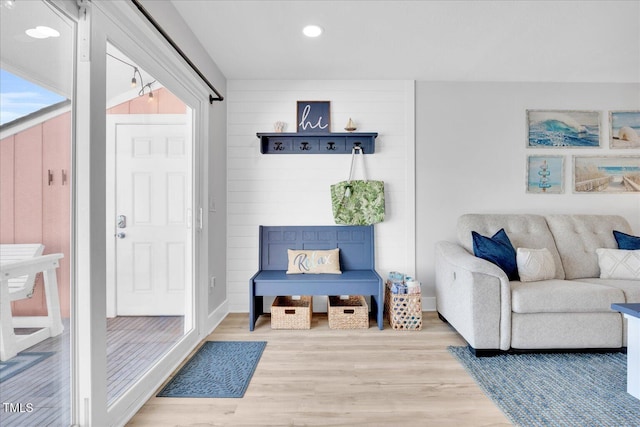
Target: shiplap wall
(294, 189)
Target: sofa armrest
(458, 256)
(474, 295)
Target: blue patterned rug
(218, 369)
(561, 389)
(21, 362)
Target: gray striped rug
(556, 389)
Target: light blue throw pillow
(498, 250)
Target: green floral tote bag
(358, 202)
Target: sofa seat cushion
(563, 296)
(631, 288)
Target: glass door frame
(67, 10)
(118, 23)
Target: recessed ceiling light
(312, 30)
(42, 32)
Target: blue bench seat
(357, 263)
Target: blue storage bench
(357, 263)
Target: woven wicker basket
(404, 311)
(351, 313)
(289, 313)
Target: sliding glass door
(37, 47)
(101, 161)
(149, 222)
(144, 216)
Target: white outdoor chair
(19, 265)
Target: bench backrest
(356, 244)
(19, 252)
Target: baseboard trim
(428, 303)
(215, 317)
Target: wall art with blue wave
(563, 128)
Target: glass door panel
(36, 89)
(149, 221)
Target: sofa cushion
(498, 250)
(525, 231)
(577, 238)
(631, 288)
(563, 296)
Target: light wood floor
(326, 377)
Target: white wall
(471, 155)
(267, 189)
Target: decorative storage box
(290, 313)
(403, 310)
(351, 313)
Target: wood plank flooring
(325, 377)
(134, 343)
(45, 386)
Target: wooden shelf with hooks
(316, 143)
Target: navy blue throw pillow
(626, 241)
(498, 250)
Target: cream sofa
(570, 311)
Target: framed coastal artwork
(545, 174)
(624, 129)
(563, 129)
(606, 174)
(313, 116)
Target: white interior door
(153, 249)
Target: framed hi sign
(314, 117)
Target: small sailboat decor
(350, 126)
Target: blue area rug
(561, 389)
(218, 369)
(20, 363)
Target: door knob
(120, 235)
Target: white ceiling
(548, 41)
(46, 62)
(49, 62)
(507, 41)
